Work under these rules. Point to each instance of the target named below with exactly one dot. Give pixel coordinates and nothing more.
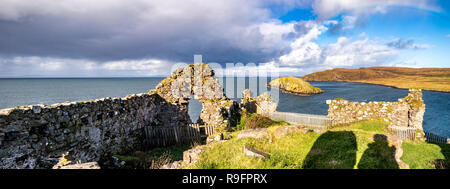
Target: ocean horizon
(29, 91)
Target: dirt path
(398, 151)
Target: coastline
(392, 86)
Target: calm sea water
(15, 92)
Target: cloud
(345, 52)
(406, 44)
(34, 66)
(355, 13)
(448, 35)
(330, 8)
(107, 30)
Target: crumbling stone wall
(407, 112)
(36, 136)
(261, 104)
(199, 80)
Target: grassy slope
(421, 155)
(345, 147)
(437, 79)
(294, 85)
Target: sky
(139, 38)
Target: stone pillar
(416, 111)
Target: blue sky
(118, 38)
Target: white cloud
(303, 49)
(62, 67)
(346, 53)
(329, 8)
(307, 54)
(448, 35)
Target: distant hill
(294, 85)
(436, 79)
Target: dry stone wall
(261, 104)
(406, 112)
(36, 136)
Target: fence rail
(168, 136)
(306, 120)
(430, 137)
(407, 133)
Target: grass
(423, 155)
(253, 120)
(437, 79)
(337, 148)
(347, 147)
(294, 85)
(153, 158)
(423, 82)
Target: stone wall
(36, 136)
(198, 80)
(406, 112)
(261, 104)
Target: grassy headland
(435, 79)
(294, 85)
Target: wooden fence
(407, 133)
(168, 136)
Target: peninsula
(434, 79)
(294, 85)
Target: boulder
(259, 133)
(286, 130)
(191, 156)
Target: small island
(294, 85)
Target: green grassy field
(348, 147)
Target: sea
(29, 91)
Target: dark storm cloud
(222, 31)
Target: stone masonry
(38, 136)
(199, 80)
(406, 112)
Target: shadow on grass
(332, 150)
(379, 155)
(443, 163)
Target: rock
(89, 165)
(173, 165)
(37, 109)
(260, 133)
(255, 153)
(286, 130)
(191, 156)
